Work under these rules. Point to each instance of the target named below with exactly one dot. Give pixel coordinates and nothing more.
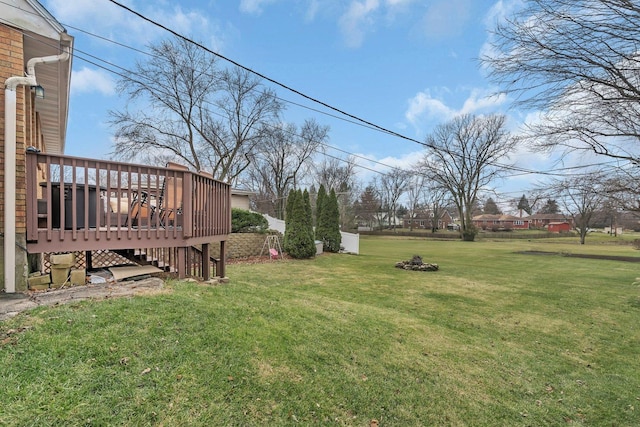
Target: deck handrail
(87, 204)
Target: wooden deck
(78, 204)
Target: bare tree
(581, 197)
(186, 109)
(577, 61)
(278, 161)
(436, 199)
(335, 173)
(392, 185)
(463, 156)
(415, 196)
(622, 188)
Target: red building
(500, 222)
(559, 227)
(543, 220)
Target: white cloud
(184, 22)
(120, 25)
(498, 14)
(254, 6)
(83, 11)
(500, 11)
(406, 161)
(372, 167)
(481, 100)
(357, 21)
(396, 3)
(88, 80)
(423, 104)
(426, 108)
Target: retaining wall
(242, 245)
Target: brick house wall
(494, 222)
(12, 63)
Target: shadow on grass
(590, 256)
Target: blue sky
(406, 65)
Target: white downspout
(10, 106)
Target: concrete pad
(120, 273)
(12, 304)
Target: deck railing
(76, 204)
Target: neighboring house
(500, 222)
(543, 220)
(424, 220)
(51, 202)
(384, 220)
(240, 198)
(616, 231)
(558, 227)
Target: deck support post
(182, 263)
(221, 264)
(206, 262)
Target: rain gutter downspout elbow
(10, 106)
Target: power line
(288, 101)
(286, 87)
(362, 122)
(269, 79)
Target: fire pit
(416, 264)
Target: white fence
(350, 241)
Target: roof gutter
(10, 106)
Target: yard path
(13, 304)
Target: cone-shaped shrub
(328, 228)
(322, 195)
(288, 216)
(308, 213)
(298, 240)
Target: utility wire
(262, 76)
(359, 121)
(126, 74)
(288, 101)
(286, 87)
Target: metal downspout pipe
(10, 106)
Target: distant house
(559, 227)
(383, 219)
(500, 222)
(240, 198)
(424, 220)
(543, 220)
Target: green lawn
(495, 338)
